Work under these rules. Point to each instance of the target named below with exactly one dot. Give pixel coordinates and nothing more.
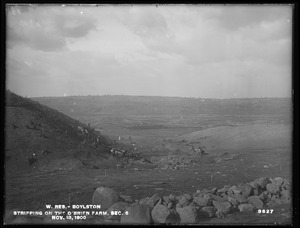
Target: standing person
(201, 150)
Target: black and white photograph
(147, 114)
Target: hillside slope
(147, 105)
(58, 141)
(255, 137)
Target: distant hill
(58, 141)
(146, 105)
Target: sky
(207, 51)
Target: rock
(203, 201)
(239, 198)
(246, 190)
(223, 195)
(285, 185)
(144, 200)
(264, 196)
(213, 190)
(160, 213)
(188, 215)
(256, 201)
(271, 188)
(137, 214)
(183, 201)
(173, 218)
(278, 181)
(233, 187)
(254, 184)
(223, 207)
(220, 214)
(188, 197)
(285, 196)
(246, 207)
(170, 205)
(166, 199)
(255, 192)
(233, 201)
(193, 204)
(209, 211)
(119, 206)
(178, 205)
(127, 199)
(172, 197)
(230, 192)
(218, 198)
(262, 182)
(222, 190)
(105, 197)
(237, 191)
(153, 200)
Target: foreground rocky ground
(259, 197)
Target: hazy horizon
(188, 51)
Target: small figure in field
(201, 150)
(32, 160)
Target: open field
(261, 143)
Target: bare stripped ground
(255, 136)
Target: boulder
(285, 185)
(246, 207)
(218, 198)
(160, 213)
(173, 218)
(278, 181)
(183, 201)
(166, 199)
(246, 190)
(222, 190)
(188, 215)
(256, 201)
(254, 184)
(220, 214)
(127, 199)
(193, 204)
(237, 191)
(170, 205)
(255, 192)
(172, 197)
(262, 182)
(137, 214)
(144, 200)
(209, 211)
(223, 207)
(153, 200)
(213, 190)
(233, 201)
(272, 188)
(188, 197)
(233, 187)
(203, 202)
(239, 198)
(264, 196)
(230, 192)
(120, 207)
(105, 197)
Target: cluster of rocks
(174, 161)
(192, 208)
(226, 157)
